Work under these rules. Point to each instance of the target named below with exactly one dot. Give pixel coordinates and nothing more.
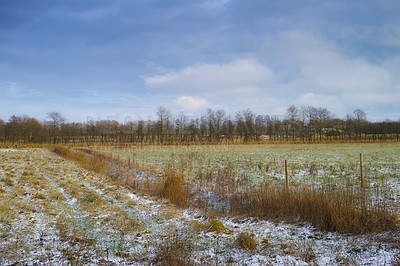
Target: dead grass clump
(344, 210)
(212, 225)
(175, 188)
(90, 196)
(215, 225)
(174, 250)
(246, 240)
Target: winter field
(318, 163)
(55, 211)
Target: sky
(121, 59)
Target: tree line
(305, 124)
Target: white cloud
(327, 69)
(192, 104)
(312, 71)
(213, 77)
(95, 14)
(331, 102)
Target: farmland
(314, 165)
(310, 163)
(55, 210)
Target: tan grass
(344, 210)
(174, 250)
(170, 184)
(246, 240)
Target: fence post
(361, 170)
(287, 174)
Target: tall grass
(344, 210)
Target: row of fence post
(361, 173)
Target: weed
(174, 250)
(246, 240)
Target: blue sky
(122, 59)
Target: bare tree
(163, 123)
(245, 124)
(360, 115)
(54, 123)
(13, 129)
(2, 125)
(210, 117)
(292, 114)
(180, 124)
(323, 115)
(309, 114)
(220, 120)
(360, 119)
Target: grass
(80, 217)
(174, 250)
(327, 197)
(169, 184)
(52, 208)
(344, 210)
(246, 240)
(212, 225)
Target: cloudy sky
(122, 59)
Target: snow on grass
(331, 164)
(54, 212)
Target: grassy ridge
(169, 184)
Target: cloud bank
(316, 72)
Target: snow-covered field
(52, 211)
(315, 164)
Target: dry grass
(95, 163)
(174, 250)
(343, 210)
(174, 188)
(346, 210)
(246, 240)
(168, 184)
(212, 225)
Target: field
(249, 165)
(54, 210)
(316, 163)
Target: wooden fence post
(361, 170)
(287, 174)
